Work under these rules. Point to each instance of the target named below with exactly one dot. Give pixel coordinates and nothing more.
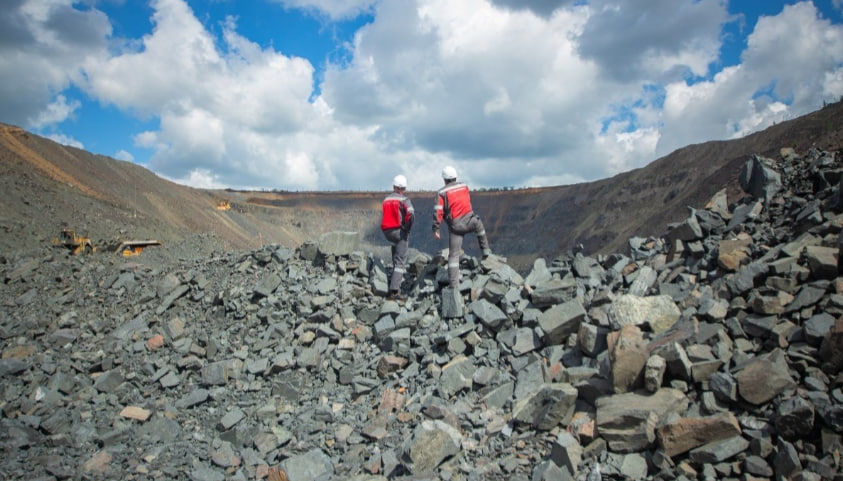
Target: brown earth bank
(48, 186)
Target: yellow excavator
(135, 247)
(76, 243)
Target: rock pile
(712, 353)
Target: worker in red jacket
(453, 204)
(396, 222)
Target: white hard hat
(449, 173)
(399, 181)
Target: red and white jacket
(452, 202)
(398, 212)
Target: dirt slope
(48, 186)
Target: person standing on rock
(396, 222)
(453, 204)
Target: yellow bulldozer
(76, 243)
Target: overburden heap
(713, 352)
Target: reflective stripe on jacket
(452, 202)
(397, 212)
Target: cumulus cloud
(43, 44)
(65, 140)
(542, 8)
(792, 62)
(333, 9)
(541, 92)
(637, 40)
(124, 155)
(56, 112)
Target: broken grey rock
(718, 451)
(452, 303)
(488, 313)
(658, 312)
(628, 421)
(561, 320)
(759, 179)
(567, 452)
(764, 378)
(554, 291)
(309, 466)
(339, 243)
(654, 372)
(683, 434)
(431, 443)
(548, 406)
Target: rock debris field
(713, 352)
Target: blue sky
(344, 94)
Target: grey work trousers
(457, 229)
(399, 238)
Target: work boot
(486, 253)
(397, 296)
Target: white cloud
(56, 112)
(638, 40)
(333, 9)
(795, 55)
(540, 92)
(201, 179)
(42, 46)
(124, 155)
(65, 140)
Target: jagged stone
(339, 243)
(431, 443)
(592, 339)
(794, 418)
(456, 376)
(550, 471)
(759, 179)
(683, 434)
(628, 355)
(822, 261)
(567, 452)
(645, 278)
(678, 364)
(554, 292)
(311, 465)
(654, 373)
(786, 463)
(817, 327)
(719, 204)
(521, 340)
(561, 320)
(488, 313)
(831, 349)
(718, 451)
(539, 274)
(547, 407)
(627, 421)
(764, 378)
(658, 312)
(452, 303)
(588, 270)
(108, 381)
(724, 386)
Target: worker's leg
(454, 251)
(476, 225)
(399, 261)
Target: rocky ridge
(713, 352)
